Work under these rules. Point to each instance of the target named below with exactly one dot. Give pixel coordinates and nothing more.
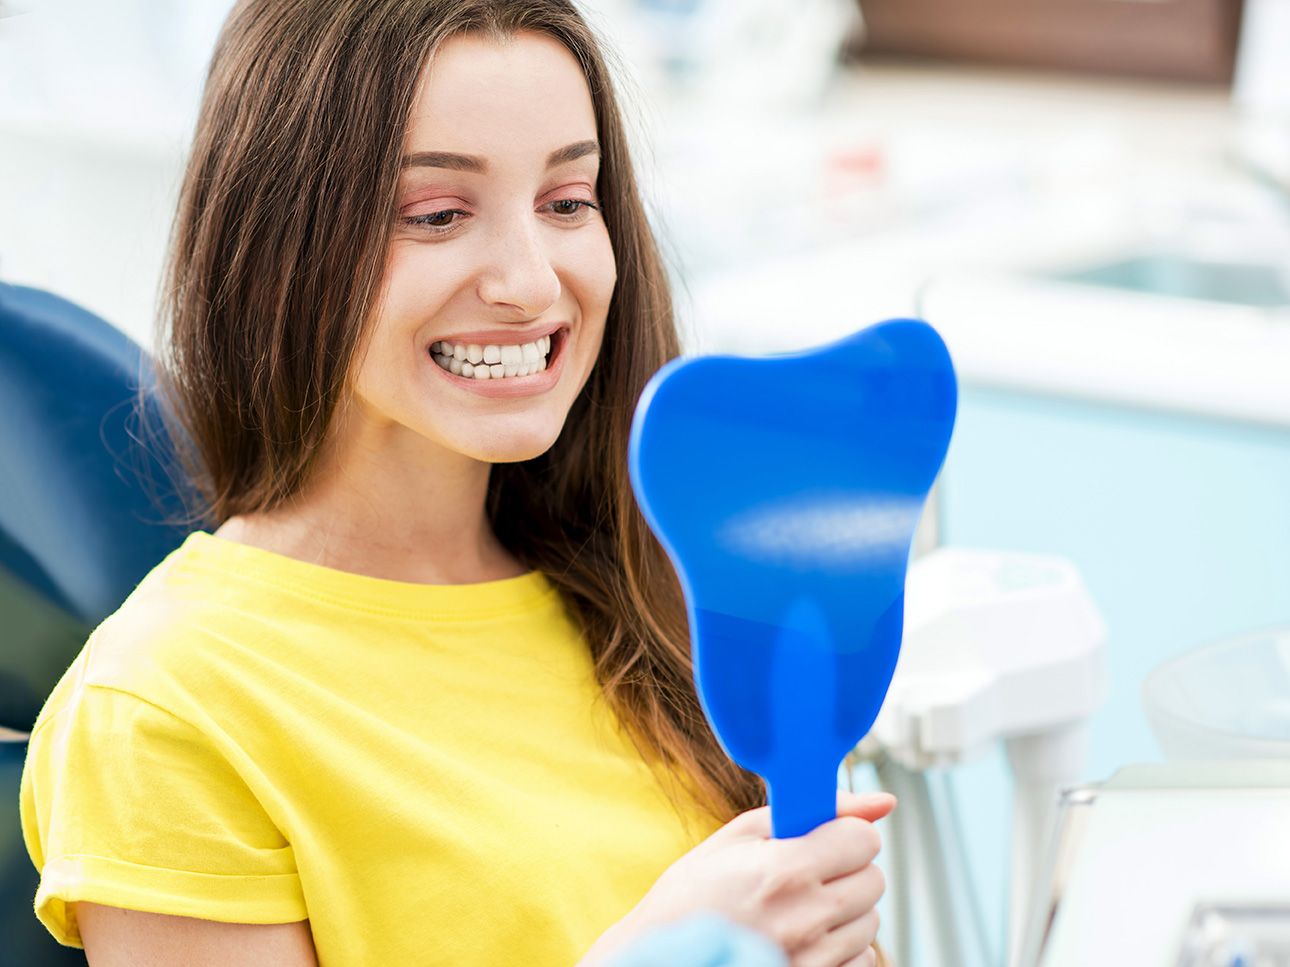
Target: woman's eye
(436, 220)
(442, 222)
(580, 207)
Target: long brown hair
(276, 260)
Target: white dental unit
(997, 648)
(1170, 865)
(1184, 863)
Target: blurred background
(1090, 200)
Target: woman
(424, 695)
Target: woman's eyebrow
(470, 162)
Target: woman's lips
(512, 386)
(505, 337)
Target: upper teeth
(493, 361)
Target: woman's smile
(505, 368)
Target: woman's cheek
(606, 269)
(418, 280)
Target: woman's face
(500, 271)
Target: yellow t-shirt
(425, 772)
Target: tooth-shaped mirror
(786, 490)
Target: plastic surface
(1228, 699)
(786, 490)
(997, 644)
(1128, 875)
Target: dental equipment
(998, 647)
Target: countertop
(955, 193)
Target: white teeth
(475, 361)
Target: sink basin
(1230, 699)
(1261, 285)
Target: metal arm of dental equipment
(998, 647)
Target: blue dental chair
(79, 527)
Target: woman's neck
(421, 521)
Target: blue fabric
(82, 500)
(703, 940)
(78, 523)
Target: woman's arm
(115, 937)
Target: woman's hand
(813, 895)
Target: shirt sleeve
(127, 805)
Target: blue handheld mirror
(786, 491)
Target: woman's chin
(515, 450)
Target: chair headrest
(87, 479)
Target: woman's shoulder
(171, 633)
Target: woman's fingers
(872, 806)
(842, 945)
(835, 849)
(754, 822)
(855, 895)
(867, 959)
(805, 892)
(841, 846)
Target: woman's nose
(520, 272)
